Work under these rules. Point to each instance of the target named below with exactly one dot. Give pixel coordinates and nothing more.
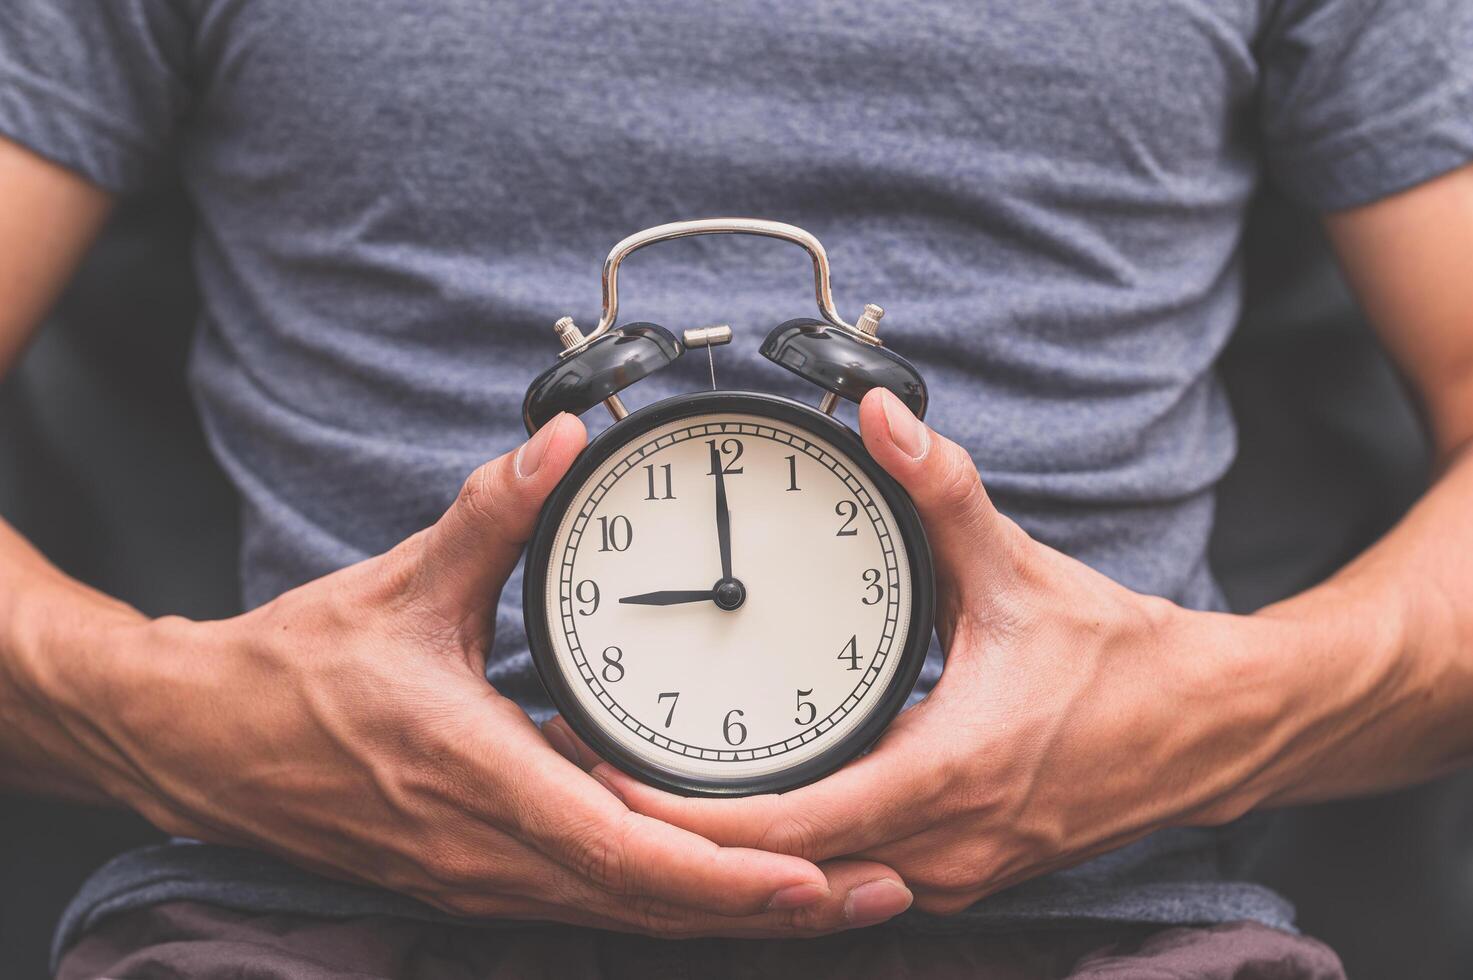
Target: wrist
(1249, 699)
(1291, 692)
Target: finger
(561, 736)
(576, 821)
(862, 893)
(466, 556)
(967, 533)
(889, 794)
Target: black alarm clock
(726, 594)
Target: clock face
(767, 668)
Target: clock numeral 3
(674, 697)
(848, 510)
(851, 653)
(587, 593)
(649, 472)
(728, 727)
(793, 474)
(809, 705)
(729, 447)
(872, 582)
(618, 533)
(613, 665)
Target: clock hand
(669, 598)
(728, 594)
(723, 516)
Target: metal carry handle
(718, 226)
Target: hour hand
(669, 597)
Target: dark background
(102, 465)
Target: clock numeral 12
(649, 472)
(615, 530)
(731, 447)
(850, 653)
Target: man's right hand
(347, 726)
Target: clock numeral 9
(587, 593)
(649, 472)
(872, 586)
(729, 447)
(674, 697)
(613, 665)
(618, 533)
(728, 727)
(812, 709)
(850, 653)
(848, 510)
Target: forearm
(1370, 674)
(1374, 668)
(58, 640)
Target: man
(393, 201)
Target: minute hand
(668, 598)
(723, 516)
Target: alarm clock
(726, 595)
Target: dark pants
(200, 942)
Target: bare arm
(1390, 637)
(1075, 715)
(48, 218)
(347, 726)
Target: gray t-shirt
(396, 199)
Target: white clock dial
(657, 663)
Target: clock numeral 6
(618, 533)
(848, 510)
(729, 447)
(850, 653)
(728, 727)
(613, 665)
(674, 697)
(809, 705)
(587, 593)
(872, 585)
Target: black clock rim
(918, 550)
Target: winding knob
(869, 321)
(568, 333)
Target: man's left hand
(1073, 716)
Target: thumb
(465, 557)
(968, 536)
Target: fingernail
(797, 896)
(596, 774)
(559, 740)
(906, 431)
(529, 457)
(875, 901)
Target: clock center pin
(729, 594)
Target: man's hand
(1073, 715)
(347, 726)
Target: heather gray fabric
(395, 201)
